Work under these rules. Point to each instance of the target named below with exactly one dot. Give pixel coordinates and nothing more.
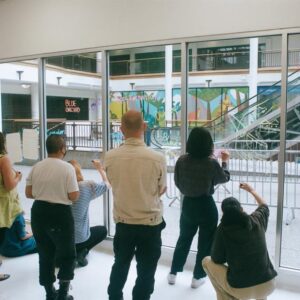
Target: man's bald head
(132, 123)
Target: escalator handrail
(210, 123)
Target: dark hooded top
(241, 243)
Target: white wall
(30, 27)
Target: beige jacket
(137, 175)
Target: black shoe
(81, 259)
(51, 292)
(4, 277)
(63, 292)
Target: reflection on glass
(143, 79)
(227, 97)
(290, 246)
(73, 97)
(20, 118)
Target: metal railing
(204, 62)
(228, 60)
(257, 167)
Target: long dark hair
(200, 143)
(2, 144)
(233, 213)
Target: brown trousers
(217, 274)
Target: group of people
(233, 255)
(51, 239)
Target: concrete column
(98, 107)
(34, 101)
(168, 82)
(132, 62)
(98, 62)
(253, 69)
(194, 56)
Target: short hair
(55, 143)
(132, 120)
(2, 144)
(200, 143)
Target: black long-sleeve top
(196, 177)
(241, 243)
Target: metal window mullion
(281, 157)
(42, 107)
(184, 93)
(105, 126)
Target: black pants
(53, 230)
(197, 213)
(145, 243)
(98, 234)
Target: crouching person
(87, 237)
(240, 243)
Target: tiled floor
(90, 283)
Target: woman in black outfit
(196, 174)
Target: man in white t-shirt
(52, 183)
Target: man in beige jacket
(138, 178)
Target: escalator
(258, 118)
(255, 120)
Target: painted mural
(206, 104)
(150, 103)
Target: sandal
(4, 277)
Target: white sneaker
(171, 278)
(197, 282)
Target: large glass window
(73, 100)
(19, 105)
(234, 89)
(152, 96)
(238, 102)
(290, 244)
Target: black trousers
(197, 213)
(145, 243)
(98, 234)
(53, 230)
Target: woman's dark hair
(200, 143)
(55, 143)
(2, 144)
(233, 213)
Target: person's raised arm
(222, 174)
(10, 177)
(259, 200)
(98, 166)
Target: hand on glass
(246, 187)
(97, 164)
(224, 155)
